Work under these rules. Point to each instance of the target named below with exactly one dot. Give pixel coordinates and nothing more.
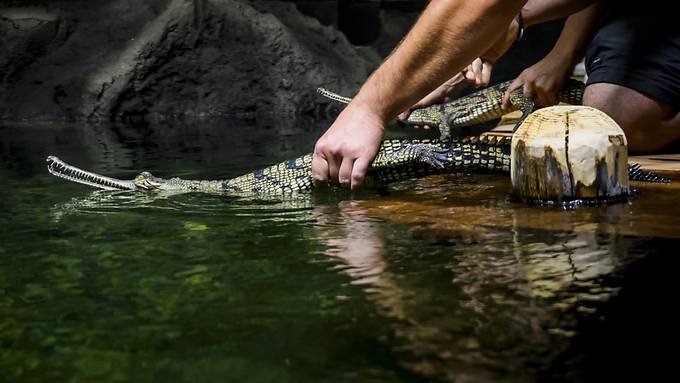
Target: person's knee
(638, 115)
(641, 141)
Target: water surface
(444, 279)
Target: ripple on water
(287, 208)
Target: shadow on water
(444, 279)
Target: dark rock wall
(169, 58)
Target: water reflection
(353, 238)
(443, 279)
(287, 209)
(498, 301)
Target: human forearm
(577, 33)
(543, 80)
(539, 11)
(449, 35)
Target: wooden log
(563, 153)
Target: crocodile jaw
(63, 170)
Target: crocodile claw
(431, 155)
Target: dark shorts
(638, 46)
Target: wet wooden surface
(472, 208)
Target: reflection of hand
(541, 81)
(344, 152)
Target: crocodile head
(147, 181)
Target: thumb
(404, 115)
(516, 84)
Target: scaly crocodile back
(396, 160)
(476, 108)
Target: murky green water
(123, 287)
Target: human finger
(333, 168)
(516, 84)
(345, 172)
(546, 93)
(485, 77)
(319, 169)
(403, 116)
(359, 171)
(476, 68)
(529, 90)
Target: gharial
(396, 159)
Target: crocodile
(454, 118)
(396, 160)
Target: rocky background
(167, 59)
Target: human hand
(343, 153)
(479, 72)
(540, 82)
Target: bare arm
(543, 80)
(540, 11)
(479, 72)
(448, 36)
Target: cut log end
(562, 153)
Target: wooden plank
(508, 122)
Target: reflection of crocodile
(396, 160)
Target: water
(444, 279)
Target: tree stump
(562, 153)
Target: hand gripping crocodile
(396, 160)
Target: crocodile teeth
(63, 170)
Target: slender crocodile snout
(63, 170)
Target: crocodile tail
(635, 173)
(63, 170)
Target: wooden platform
(665, 165)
